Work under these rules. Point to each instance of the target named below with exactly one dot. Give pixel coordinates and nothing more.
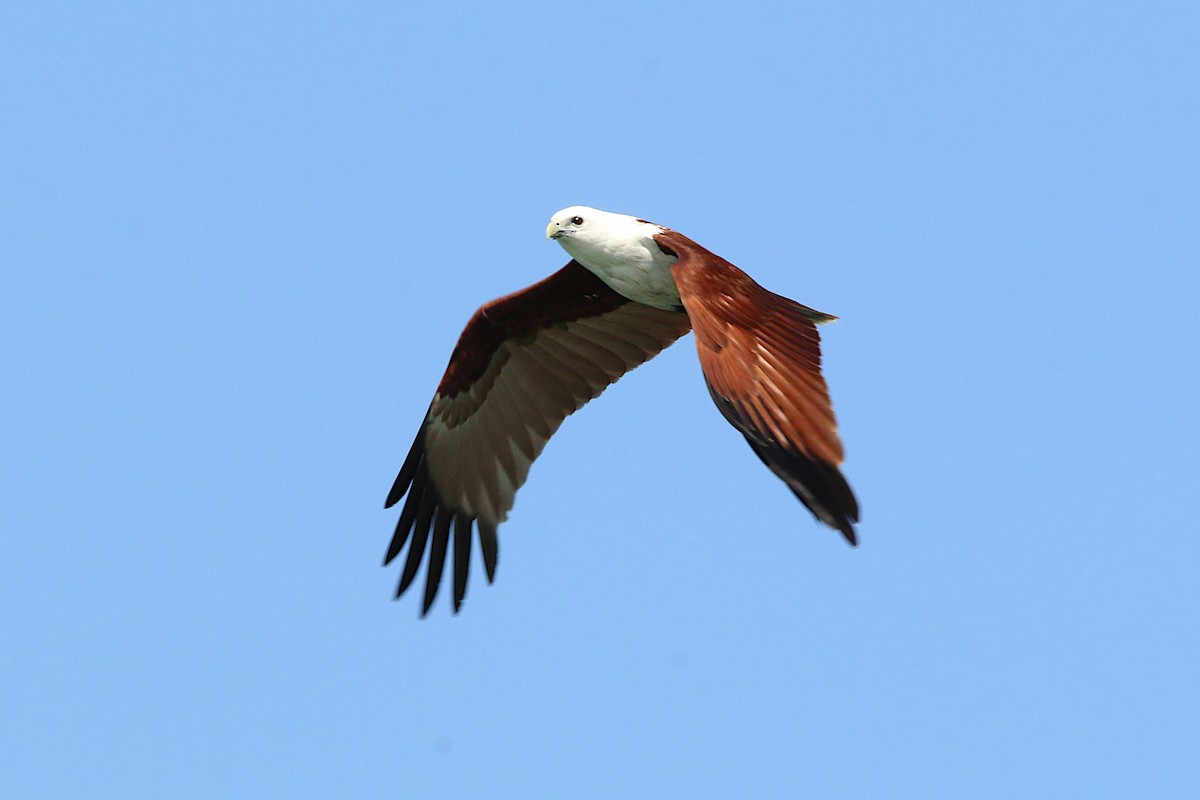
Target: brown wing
(761, 357)
(522, 365)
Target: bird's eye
(576, 220)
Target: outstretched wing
(522, 365)
(761, 357)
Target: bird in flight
(528, 360)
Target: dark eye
(576, 220)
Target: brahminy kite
(528, 360)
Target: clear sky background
(238, 242)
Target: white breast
(625, 256)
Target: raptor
(528, 360)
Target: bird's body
(528, 360)
(621, 251)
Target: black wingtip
(429, 524)
(408, 471)
(818, 484)
(840, 517)
(437, 555)
(489, 544)
(416, 548)
(462, 557)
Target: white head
(594, 237)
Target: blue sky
(239, 242)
